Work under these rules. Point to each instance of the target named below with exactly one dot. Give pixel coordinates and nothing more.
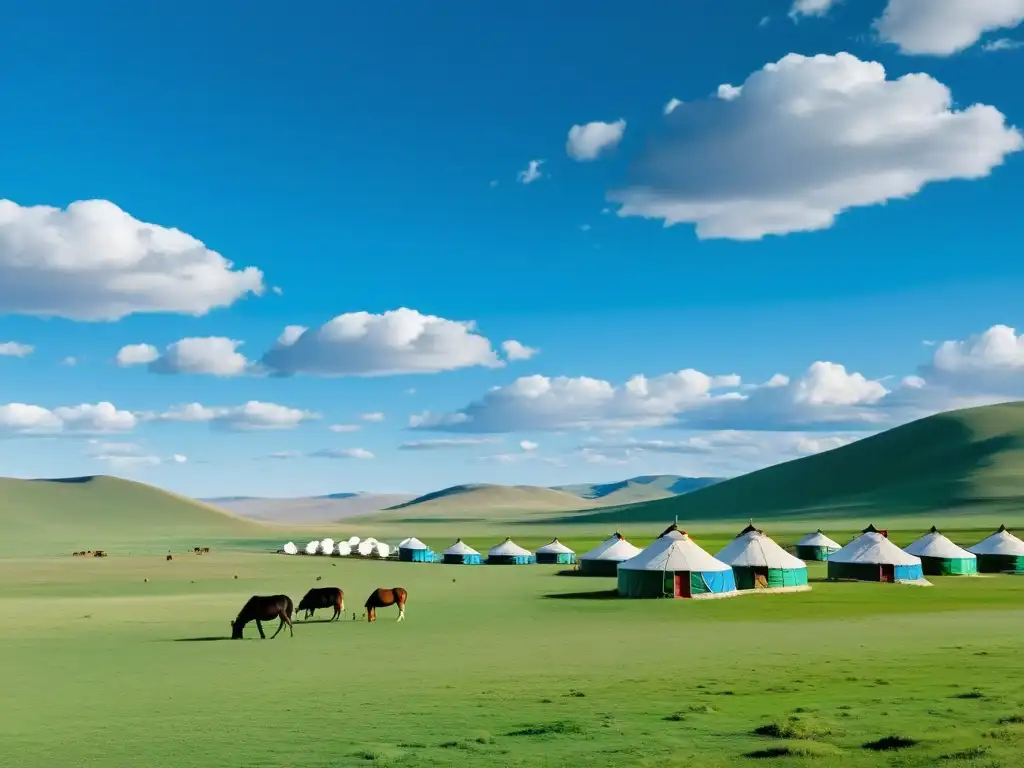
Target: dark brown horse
(262, 608)
(323, 597)
(382, 598)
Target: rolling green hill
(40, 517)
(968, 461)
(637, 489)
(483, 502)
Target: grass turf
(500, 665)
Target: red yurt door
(681, 584)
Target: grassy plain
(512, 666)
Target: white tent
(934, 544)
(412, 543)
(460, 548)
(326, 546)
(756, 550)
(1002, 542)
(872, 557)
(353, 542)
(817, 539)
(508, 548)
(290, 548)
(366, 547)
(555, 548)
(603, 559)
(342, 549)
(313, 547)
(674, 551)
(381, 549)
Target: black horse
(262, 608)
(323, 597)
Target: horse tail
(289, 606)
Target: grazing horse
(262, 608)
(323, 597)
(382, 598)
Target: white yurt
(290, 548)
(412, 550)
(604, 559)
(313, 547)
(872, 557)
(460, 553)
(342, 549)
(674, 565)
(382, 550)
(759, 563)
(816, 546)
(555, 553)
(366, 547)
(941, 557)
(326, 546)
(509, 553)
(1002, 551)
(353, 542)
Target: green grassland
(514, 666)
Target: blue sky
(350, 153)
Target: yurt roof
(1002, 542)
(934, 544)
(412, 543)
(507, 548)
(817, 539)
(754, 548)
(614, 548)
(290, 548)
(460, 548)
(555, 548)
(872, 547)
(674, 551)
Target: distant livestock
(262, 608)
(323, 597)
(382, 598)
(201, 550)
(169, 557)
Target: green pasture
(499, 665)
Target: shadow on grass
(604, 594)
(201, 639)
(297, 622)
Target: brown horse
(262, 608)
(323, 597)
(382, 598)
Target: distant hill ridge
(969, 460)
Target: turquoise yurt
(759, 563)
(509, 553)
(941, 557)
(555, 553)
(872, 557)
(460, 553)
(604, 559)
(1002, 551)
(816, 546)
(413, 550)
(675, 566)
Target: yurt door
(760, 578)
(681, 584)
(887, 574)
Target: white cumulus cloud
(586, 142)
(395, 342)
(374, 417)
(531, 173)
(14, 349)
(805, 139)
(98, 418)
(944, 27)
(341, 453)
(212, 355)
(251, 416)
(671, 105)
(93, 261)
(517, 351)
(136, 354)
(810, 8)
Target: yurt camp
(604, 559)
(460, 553)
(1002, 551)
(412, 550)
(872, 557)
(509, 553)
(816, 546)
(759, 563)
(555, 553)
(675, 566)
(941, 557)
